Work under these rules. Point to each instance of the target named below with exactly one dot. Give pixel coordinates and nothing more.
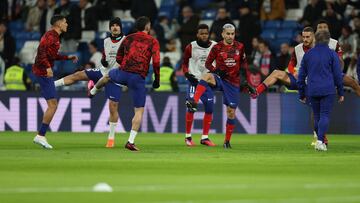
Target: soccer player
(229, 55)
(108, 61)
(134, 56)
(321, 66)
(193, 66)
(289, 78)
(323, 25)
(47, 53)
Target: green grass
(259, 168)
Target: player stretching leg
(47, 53)
(229, 56)
(194, 68)
(108, 61)
(134, 56)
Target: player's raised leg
(276, 75)
(200, 89)
(71, 79)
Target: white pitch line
(147, 188)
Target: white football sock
(112, 126)
(132, 136)
(94, 90)
(187, 135)
(204, 137)
(59, 82)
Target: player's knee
(231, 113)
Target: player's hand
(74, 58)
(156, 84)
(49, 73)
(191, 78)
(303, 100)
(341, 99)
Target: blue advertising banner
(165, 112)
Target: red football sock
(229, 131)
(206, 123)
(261, 88)
(200, 89)
(189, 122)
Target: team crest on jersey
(237, 52)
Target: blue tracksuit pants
(321, 106)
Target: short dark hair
(202, 26)
(56, 18)
(322, 37)
(262, 41)
(141, 22)
(308, 29)
(322, 21)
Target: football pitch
(259, 168)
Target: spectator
(272, 10)
(255, 56)
(266, 60)
(70, 39)
(144, 8)
(291, 4)
(254, 77)
(249, 27)
(34, 16)
(188, 25)
(348, 43)
(14, 8)
(7, 44)
(103, 9)
(95, 54)
(4, 11)
(165, 33)
(222, 18)
(167, 77)
(283, 57)
(312, 12)
(334, 20)
(15, 77)
(340, 7)
(89, 20)
(46, 16)
(120, 4)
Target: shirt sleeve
(337, 73)
(292, 63)
(156, 59)
(210, 59)
(301, 78)
(186, 58)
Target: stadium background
(277, 22)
